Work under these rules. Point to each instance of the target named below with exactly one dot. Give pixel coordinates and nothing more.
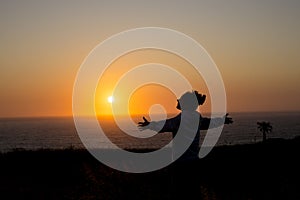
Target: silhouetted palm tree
(264, 127)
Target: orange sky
(148, 95)
(254, 44)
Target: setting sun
(110, 99)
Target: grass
(256, 171)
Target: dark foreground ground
(260, 171)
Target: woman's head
(190, 101)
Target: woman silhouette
(185, 124)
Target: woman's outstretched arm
(169, 125)
(214, 122)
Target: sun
(110, 99)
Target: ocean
(60, 132)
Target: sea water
(60, 132)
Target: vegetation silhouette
(264, 127)
(228, 172)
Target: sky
(255, 45)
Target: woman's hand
(228, 120)
(144, 123)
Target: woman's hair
(190, 101)
(201, 98)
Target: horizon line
(110, 115)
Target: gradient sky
(255, 44)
